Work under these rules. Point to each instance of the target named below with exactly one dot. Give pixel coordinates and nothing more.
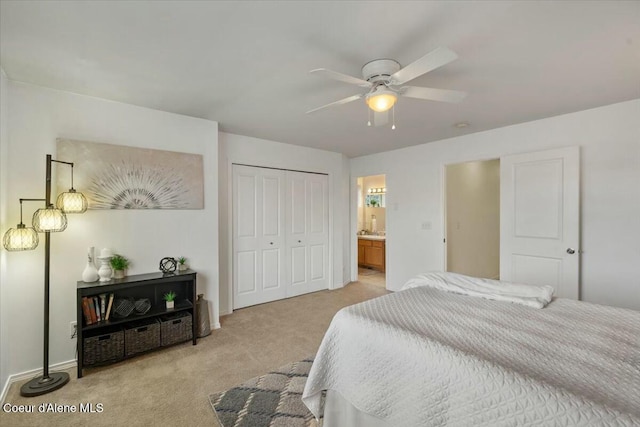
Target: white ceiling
(245, 64)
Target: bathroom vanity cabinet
(371, 252)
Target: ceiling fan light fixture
(381, 100)
(385, 79)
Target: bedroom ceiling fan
(384, 79)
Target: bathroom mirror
(375, 201)
(372, 203)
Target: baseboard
(337, 285)
(62, 366)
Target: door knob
(571, 251)
(271, 243)
(299, 241)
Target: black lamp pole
(47, 382)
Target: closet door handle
(271, 243)
(299, 241)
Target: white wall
(4, 146)
(38, 116)
(473, 218)
(261, 152)
(609, 138)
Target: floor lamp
(46, 220)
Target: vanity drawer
(377, 243)
(364, 242)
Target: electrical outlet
(73, 330)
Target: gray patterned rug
(271, 400)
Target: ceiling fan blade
(341, 77)
(340, 102)
(380, 119)
(431, 61)
(431, 94)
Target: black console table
(152, 287)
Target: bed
(425, 357)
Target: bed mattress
(423, 357)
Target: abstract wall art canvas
(121, 177)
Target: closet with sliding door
(280, 234)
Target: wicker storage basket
(103, 348)
(141, 336)
(176, 328)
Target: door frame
(499, 156)
(353, 227)
(353, 216)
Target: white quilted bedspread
(423, 357)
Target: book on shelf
(96, 307)
(86, 312)
(92, 310)
(103, 306)
(109, 305)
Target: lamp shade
(381, 100)
(20, 239)
(71, 202)
(49, 219)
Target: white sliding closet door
(307, 232)
(258, 237)
(280, 234)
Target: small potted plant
(182, 264)
(119, 264)
(170, 297)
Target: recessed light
(461, 125)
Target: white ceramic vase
(90, 273)
(105, 271)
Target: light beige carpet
(171, 387)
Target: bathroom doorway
(472, 215)
(372, 231)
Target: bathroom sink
(371, 237)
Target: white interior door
(539, 219)
(307, 232)
(258, 236)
